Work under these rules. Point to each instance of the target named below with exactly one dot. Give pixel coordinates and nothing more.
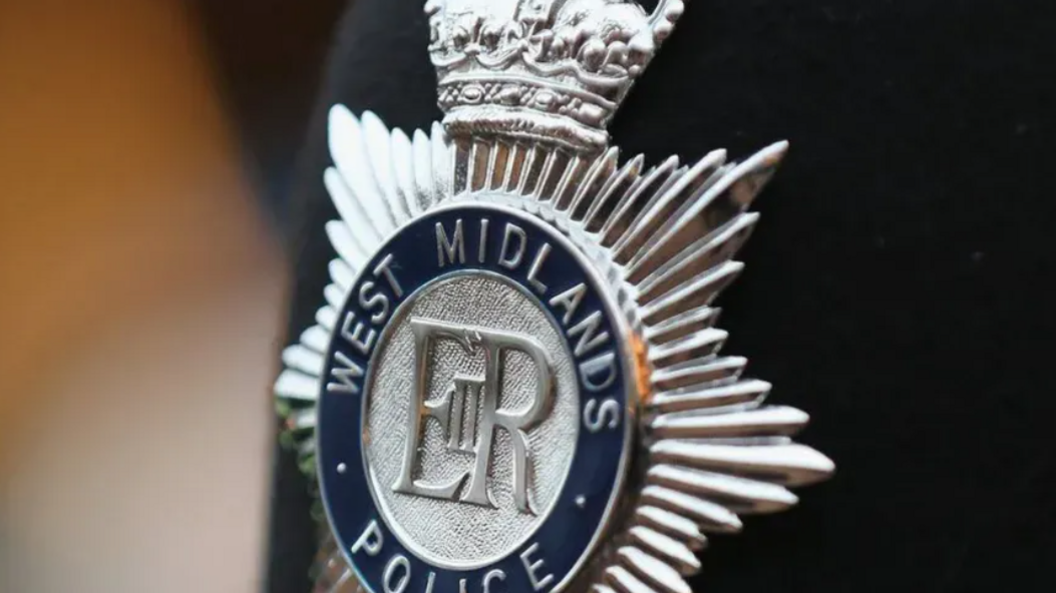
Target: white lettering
(355, 337)
(364, 541)
(590, 371)
(492, 575)
(537, 265)
(384, 268)
(590, 339)
(396, 562)
(506, 259)
(344, 375)
(533, 567)
(594, 416)
(450, 247)
(373, 301)
(569, 300)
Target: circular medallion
(470, 535)
(473, 421)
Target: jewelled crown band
(541, 70)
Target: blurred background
(145, 146)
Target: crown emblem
(552, 70)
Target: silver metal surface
(553, 70)
(468, 397)
(527, 88)
(538, 392)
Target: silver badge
(515, 382)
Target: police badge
(515, 383)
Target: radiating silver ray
(603, 206)
(511, 176)
(789, 465)
(625, 582)
(657, 276)
(424, 183)
(742, 496)
(316, 338)
(672, 524)
(698, 377)
(335, 296)
(442, 162)
(571, 180)
(702, 344)
(326, 317)
(772, 420)
(478, 165)
(342, 274)
(349, 152)
(725, 199)
(303, 359)
(305, 418)
(699, 292)
(346, 245)
(402, 165)
(530, 165)
(351, 210)
(657, 573)
(710, 516)
(376, 136)
(637, 199)
(500, 159)
(293, 384)
(597, 176)
(671, 550)
(680, 326)
(683, 190)
(550, 175)
(742, 395)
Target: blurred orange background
(141, 306)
